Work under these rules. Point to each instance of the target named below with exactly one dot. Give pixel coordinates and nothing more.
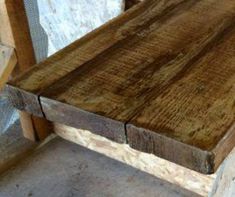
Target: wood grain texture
(14, 32)
(130, 3)
(198, 109)
(8, 61)
(161, 76)
(14, 20)
(6, 36)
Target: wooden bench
(159, 78)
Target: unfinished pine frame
(8, 61)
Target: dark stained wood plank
(130, 3)
(141, 73)
(107, 39)
(83, 119)
(117, 83)
(198, 110)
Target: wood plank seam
(206, 47)
(206, 164)
(101, 125)
(213, 42)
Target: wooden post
(14, 32)
(8, 61)
(224, 184)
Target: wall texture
(65, 21)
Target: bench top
(160, 77)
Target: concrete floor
(8, 115)
(63, 169)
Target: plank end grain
(24, 100)
(170, 149)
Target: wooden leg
(34, 128)
(14, 32)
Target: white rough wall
(67, 20)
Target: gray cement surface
(8, 115)
(14, 147)
(63, 169)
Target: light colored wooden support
(14, 32)
(6, 36)
(173, 173)
(8, 61)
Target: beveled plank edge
(167, 148)
(24, 100)
(69, 115)
(130, 3)
(225, 146)
(8, 62)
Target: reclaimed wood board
(160, 77)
